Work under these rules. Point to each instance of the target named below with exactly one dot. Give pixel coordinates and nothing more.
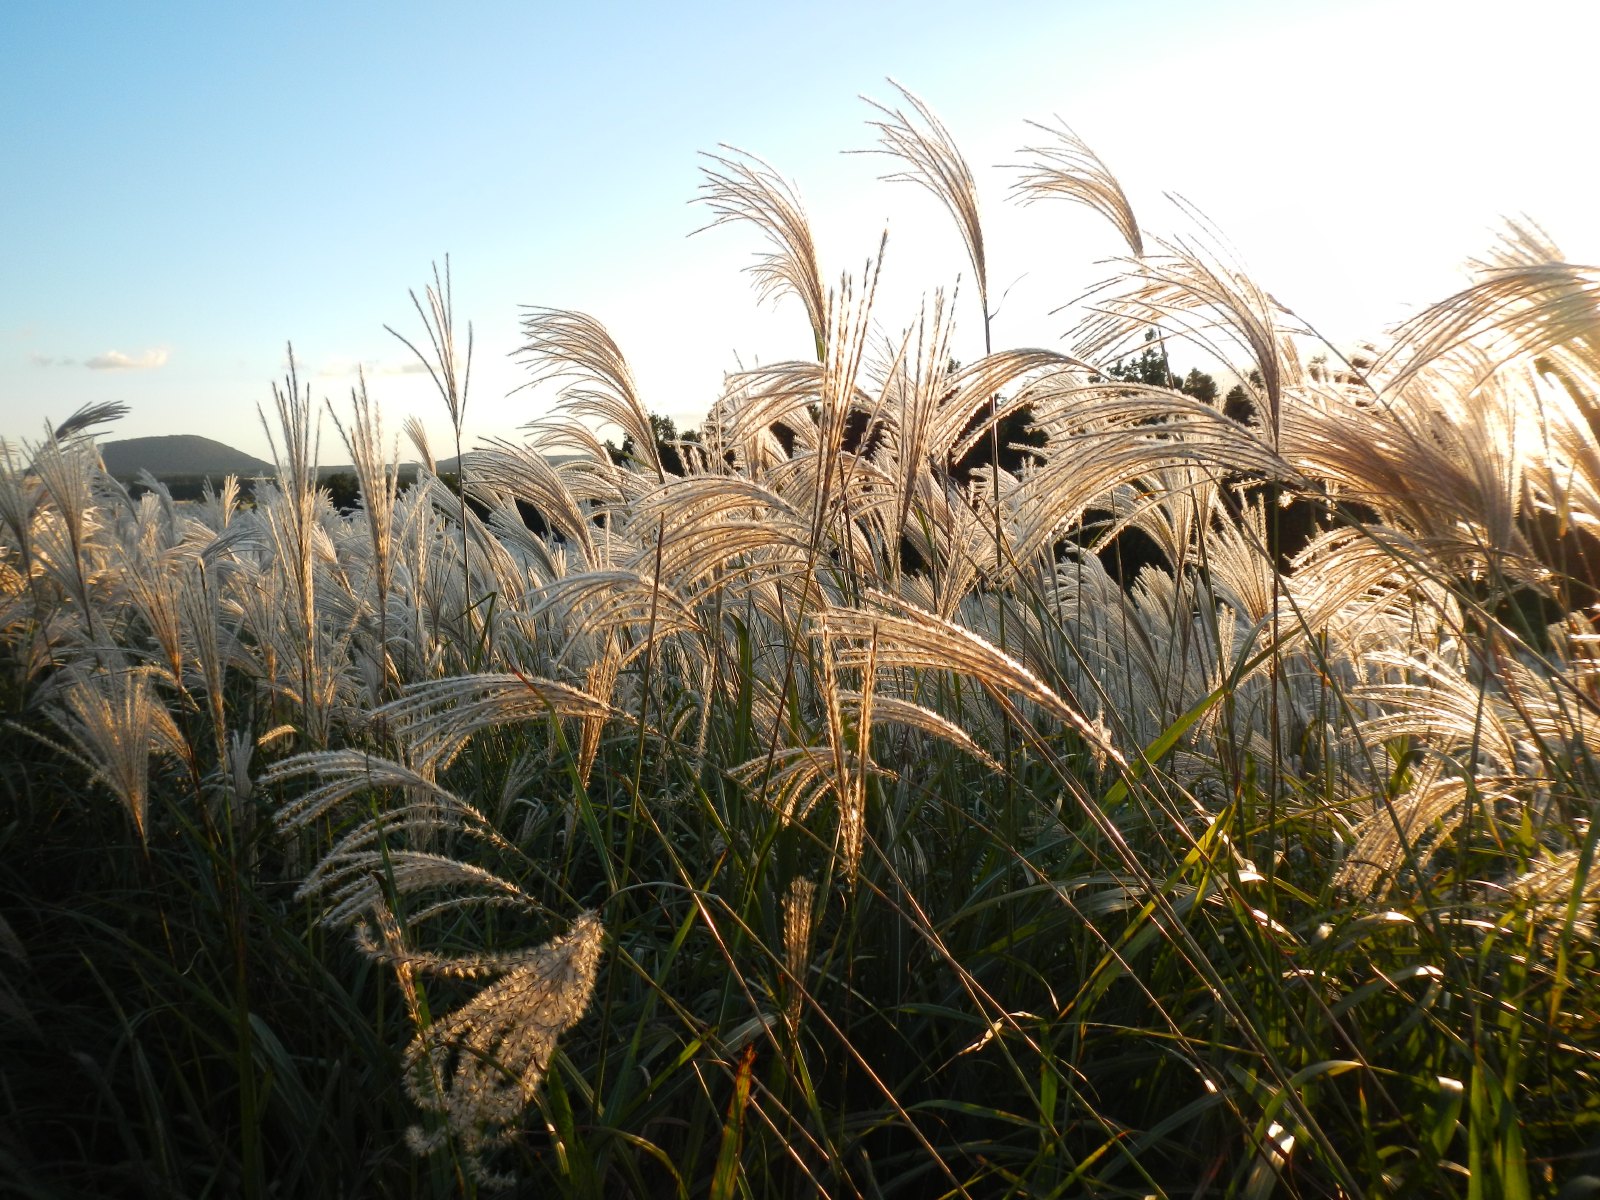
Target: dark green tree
(667, 439)
(344, 489)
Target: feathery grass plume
(1176, 507)
(392, 951)
(691, 555)
(1441, 705)
(1069, 170)
(926, 641)
(531, 477)
(592, 604)
(741, 422)
(914, 387)
(291, 520)
(742, 187)
(791, 779)
(1561, 883)
(1239, 564)
(435, 718)
(86, 418)
(352, 883)
(1198, 291)
(1117, 436)
(1351, 582)
(422, 813)
(477, 1068)
(450, 371)
(895, 710)
(152, 582)
(1444, 459)
(933, 162)
(64, 543)
(799, 926)
(575, 351)
(841, 371)
(843, 782)
(296, 607)
(1564, 476)
(351, 877)
(853, 809)
(346, 773)
(1524, 301)
(377, 472)
(115, 724)
(217, 508)
(1035, 375)
(559, 433)
(458, 566)
(21, 493)
(600, 682)
(1408, 829)
(389, 948)
(417, 434)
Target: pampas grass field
(834, 802)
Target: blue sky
(189, 187)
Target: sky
(188, 188)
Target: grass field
(833, 816)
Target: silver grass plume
(853, 812)
(115, 725)
(575, 351)
(1069, 170)
(62, 541)
(741, 187)
(1563, 882)
(933, 162)
(86, 418)
(923, 640)
(296, 526)
(21, 493)
(477, 1068)
(799, 905)
(1198, 291)
(1523, 301)
(377, 470)
(437, 717)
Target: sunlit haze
(189, 187)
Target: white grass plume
(932, 161)
(478, 1067)
(575, 350)
(116, 724)
(1069, 170)
(741, 187)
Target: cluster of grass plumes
(826, 817)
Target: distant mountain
(178, 454)
(185, 455)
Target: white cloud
(44, 360)
(343, 368)
(116, 360)
(333, 368)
